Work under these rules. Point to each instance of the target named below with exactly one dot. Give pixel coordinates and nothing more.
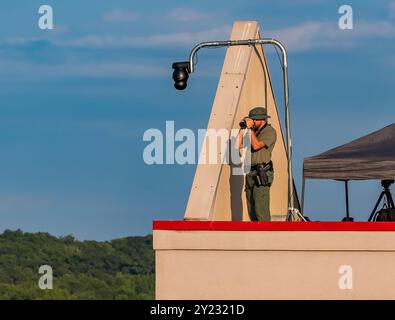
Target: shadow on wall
(236, 183)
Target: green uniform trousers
(258, 198)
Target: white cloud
(60, 29)
(186, 14)
(306, 36)
(118, 15)
(389, 60)
(23, 202)
(313, 34)
(17, 41)
(95, 69)
(156, 40)
(392, 8)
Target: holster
(261, 179)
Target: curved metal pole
(251, 42)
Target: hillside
(117, 269)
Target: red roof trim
(271, 226)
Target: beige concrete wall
(273, 265)
(216, 194)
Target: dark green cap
(258, 113)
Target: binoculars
(243, 124)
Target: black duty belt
(270, 163)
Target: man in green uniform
(263, 139)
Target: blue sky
(76, 100)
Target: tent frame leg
(347, 217)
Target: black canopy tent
(369, 157)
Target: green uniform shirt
(269, 136)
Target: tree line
(118, 269)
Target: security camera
(180, 74)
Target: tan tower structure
(216, 253)
(216, 193)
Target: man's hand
(249, 123)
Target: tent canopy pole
(347, 217)
(347, 201)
